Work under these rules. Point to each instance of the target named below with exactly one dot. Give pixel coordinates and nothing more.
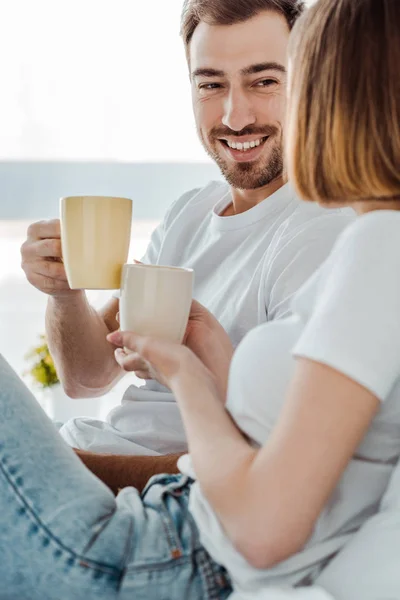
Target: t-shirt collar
(272, 205)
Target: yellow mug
(95, 238)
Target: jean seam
(159, 565)
(170, 530)
(208, 573)
(104, 524)
(83, 561)
(207, 576)
(206, 566)
(172, 536)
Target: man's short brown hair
(230, 12)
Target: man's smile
(244, 149)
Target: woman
(283, 475)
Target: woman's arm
(267, 500)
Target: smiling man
(250, 240)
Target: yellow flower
(43, 370)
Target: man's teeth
(245, 146)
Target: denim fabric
(64, 536)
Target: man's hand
(42, 258)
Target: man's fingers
(44, 229)
(48, 248)
(50, 270)
(47, 285)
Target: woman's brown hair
(343, 121)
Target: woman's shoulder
(368, 249)
(371, 229)
(352, 318)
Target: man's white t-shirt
(247, 268)
(347, 316)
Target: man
(251, 242)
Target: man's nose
(238, 111)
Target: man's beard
(247, 175)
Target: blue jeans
(63, 534)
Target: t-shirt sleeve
(354, 326)
(152, 253)
(153, 250)
(157, 237)
(295, 257)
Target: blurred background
(95, 99)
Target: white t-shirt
(346, 316)
(247, 267)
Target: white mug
(156, 300)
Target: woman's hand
(208, 340)
(131, 362)
(204, 336)
(167, 362)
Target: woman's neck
(365, 206)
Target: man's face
(238, 75)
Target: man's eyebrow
(207, 72)
(251, 70)
(267, 66)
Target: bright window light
(94, 80)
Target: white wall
(94, 80)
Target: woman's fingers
(149, 349)
(124, 339)
(130, 361)
(144, 375)
(164, 357)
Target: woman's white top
(346, 316)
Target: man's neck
(243, 200)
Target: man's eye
(266, 83)
(209, 86)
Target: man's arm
(118, 471)
(76, 332)
(76, 335)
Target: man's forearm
(77, 340)
(118, 471)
